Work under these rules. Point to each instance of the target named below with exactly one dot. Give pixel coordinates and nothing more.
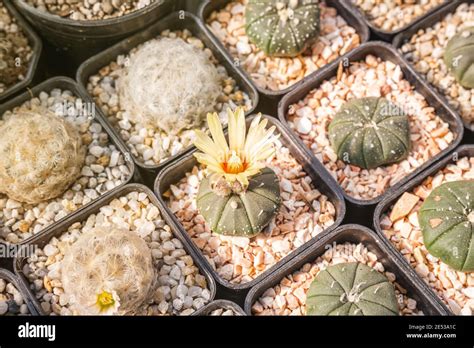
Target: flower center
(105, 300)
(234, 164)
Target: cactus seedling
(370, 132)
(447, 220)
(41, 155)
(459, 57)
(240, 195)
(282, 28)
(108, 271)
(351, 289)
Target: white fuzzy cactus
(41, 155)
(169, 84)
(108, 271)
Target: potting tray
(388, 53)
(208, 6)
(322, 180)
(175, 21)
(11, 278)
(426, 300)
(65, 83)
(217, 304)
(41, 240)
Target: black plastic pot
(387, 203)
(42, 239)
(225, 304)
(385, 52)
(384, 34)
(426, 300)
(361, 28)
(36, 45)
(81, 39)
(69, 84)
(427, 22)
(325, 184)
(175, 21)
(11, 278)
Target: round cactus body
(459, 57)
(241, 214)
(370, 132)
(41, 155)
(108, 271)
(447, 220)
(282, 28)
(351, 289)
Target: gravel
(455, 288)
(223, 312)
(337, 38)
(289, 296)
(425, 51)
(11, 301)
(372, 77)
(304, 213)
(20, 221)
(181, 288)
(150, 145)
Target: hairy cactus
(169, 84)
(240, 214)
(41, 155)
(282, 28)
(447, 220)
(351, 289)
(370, 132)
(459, 57)
(108, 271)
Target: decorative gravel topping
(81, 10)
(150, 145)
(425, 51)
(104, 170)
(336, 39)
(456, 289)
(11, 301)
(223, 312)
(304, 213)
(393, 15)
(15, 51)
(373, 77)
(289, 296)
(181, 288)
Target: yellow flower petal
(237, 130)
(206, 145)
(217, 133)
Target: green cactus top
(447, 221)
(459, 57)
(370, 132)
(282, 28)
(351, 289)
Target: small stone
(404, 206)
(303, 125)
(3, 307)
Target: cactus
(240, 196)
(351, 289)
(171, 94)
(41, 155)
(446, 220)
(370, 132)
(459, 57)
(282, 28)
(108, 271)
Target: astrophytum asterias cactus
(459, 57)
(240, 196)
(282, 28)
(108, 271)
(41, 155)
(351, 289)
(370, 132)
(169, 84)
(447, 221)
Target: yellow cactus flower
(107, 302)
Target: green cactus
(370, 132)
(244, 214)
(282, 28)
(459, 57)
(351, 289)
(447, 220)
